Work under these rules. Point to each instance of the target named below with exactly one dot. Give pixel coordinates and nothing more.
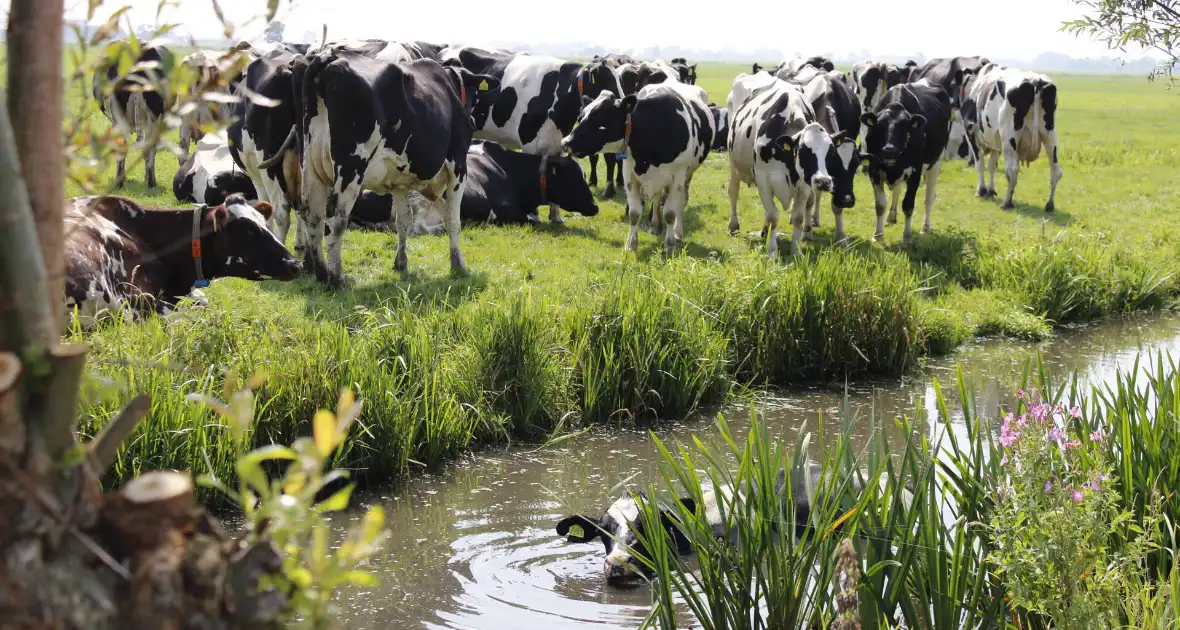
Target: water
(474, 546)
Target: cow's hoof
(982, 192)
(815, 223)
(808, 235)
(1049, 207)
(841, 237)
(879, 238)
(609, 193)
(925, 229)
(1007, 205)
(758, 234)
(891, 219)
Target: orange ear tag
(196, 249)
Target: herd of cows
(433, 137)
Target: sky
(1014, 29)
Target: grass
(555, 327)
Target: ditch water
(474, 545)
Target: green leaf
(267, 453)
(337, 501)
(358, 578)
(300, 576)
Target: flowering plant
(1063, 546)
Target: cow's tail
(308, 87)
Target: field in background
(556, 327)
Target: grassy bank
(555, 327)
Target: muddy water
(474, 546)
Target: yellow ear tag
(591, 79)
(576, 531)
(864, 163)
(483, 85)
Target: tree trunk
(70, 556)
(35, 102)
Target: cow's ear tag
(591, 79)
(483, 85)
(865, 162)
(576, 531)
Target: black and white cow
(384, 126)
(210, 175)
(721, 127)
(787, 69)
(621, 525)
(539, 100)
(1014, 113)
(133, 103)
(504, 187)
(121, 255)
(214, 75)
(685, 73)
(263, 139)
(838, 110)
(666, 131)
(908, 133)
(623, 66)
(950, 73)
(384, 50)
(871, 79)
(776, 144)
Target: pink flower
(1072, 444)
(1077, 496)
(1097, 436)
(1020, 394)
(1093, 484)
(1075, 412)
(1055, 435)
(1004, 460)
(1048, 486)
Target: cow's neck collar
(622, 155)
(544, 180)
(198, 213)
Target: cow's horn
(278, 157)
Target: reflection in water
(474, 546)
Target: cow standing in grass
(1014, 113)
(617, 63)
(136, 103)
(907, 135)
(666, 130)
(776, 144)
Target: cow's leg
(811, 214)
(121, 171)
(656, 224)
(1049, 139)
(981, 189)
(593, 179)
(674, 206)
(403, 220)
(907, 204)
(993, 162)
(880, 202)
(815, 210)
(931, 193)
(452, 200)
(894, 196)
(634, 211)
(800, 208)
(608, 159)
(838, 213)
(310, 236)
(770, 222)
(338, 213)
(186, 133)
(1011, 170)
(734, 190)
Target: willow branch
(12, 428)
(67, 363)
(106, 444)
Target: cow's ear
(586, 100)
(578, 529)
(786, 143)
(918, 121)
(868, 118)
(264, 208)
(217, 216)
(629, 102)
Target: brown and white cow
(121, 256)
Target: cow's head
(617, 530)
(240, 245)
(566, 186)
(601, 126)
(595, 77)
(477, 92)
(892, 131)
(842, 164)
(686, 73)
(806, 153)
(823, 63)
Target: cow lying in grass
(121, 255)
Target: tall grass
(917, 515)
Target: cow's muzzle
(822, 182)
(290, 270)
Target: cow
(539, 100)
(385, 50)
(950, 74)
(505, 187)
(212, 75)
(209, 175)
(720, 126)
(120, 254)
(908, 133)
(837, 109)
(776, 144)
(1011, 112)
(666, 131)
(870, 80)
(787, 69)
(684, 72)
(262, 138)
(623, 66)
(621, 525)
(389, 127)
(376, 211)
(136, 102)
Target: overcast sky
(1019, 29)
